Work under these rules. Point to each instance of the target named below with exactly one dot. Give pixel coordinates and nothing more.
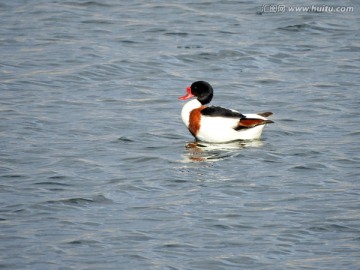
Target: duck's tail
(253, 120)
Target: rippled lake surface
(97, 170)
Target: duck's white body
(218, 129)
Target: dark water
(97, 170)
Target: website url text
(316, 9)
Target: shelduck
(216, 124)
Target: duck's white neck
(186, 110)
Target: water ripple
(97, 169)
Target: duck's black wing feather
(215, 111)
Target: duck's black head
(203, 91)
(200, 89)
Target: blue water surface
(97, 170)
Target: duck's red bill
(188, 94)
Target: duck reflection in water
(208, 152)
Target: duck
(214, 124)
